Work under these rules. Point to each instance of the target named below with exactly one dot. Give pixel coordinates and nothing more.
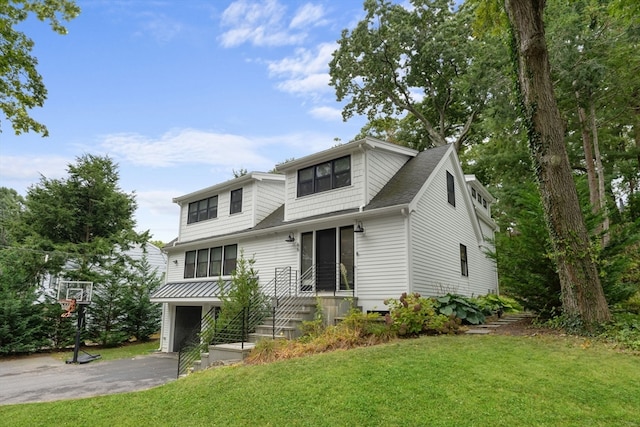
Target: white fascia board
(343, 150)
(228, 185)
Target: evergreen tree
(141, 316)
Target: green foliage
(106, 314)
(141, 316)
(624, 330)
(412, 315)
(397, 50)
(461, 307)
(22, 329)
(21, 86)
(491, 304)
(242, 297)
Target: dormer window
(325, 176)
(203, 209)
(236, 201)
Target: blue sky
(181, 93)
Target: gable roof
(401, 189)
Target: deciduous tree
(582, 295)
(21, 86)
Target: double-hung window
(189, 264)
(325, 176)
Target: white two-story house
(367, 220)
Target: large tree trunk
(582, 294)
(602, 200)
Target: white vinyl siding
(225, 222)
(349, 197)
(270, 197)
(270, 252)
(382, 166)
(438, 229)
(381, 260)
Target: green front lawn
(430, 381)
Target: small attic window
(484, 203)
(451, 189)
(473, 192)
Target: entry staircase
(278, 313)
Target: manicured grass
(122, 352)
(431, 381)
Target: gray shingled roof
(407, 182)
(401, 189)
(202, 289)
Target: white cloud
(160, 27)
(258, 23)
(327, 113)
(186, 146)
(311, 85)
(30, 168)
(304, 61)
(308, 15)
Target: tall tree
(582, 295)
(141, 316)
(21, 86)
(420, 61)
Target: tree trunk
(588, 158)
(602, 200)
(582, 294)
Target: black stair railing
(195, 343)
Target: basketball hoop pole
(76, 349)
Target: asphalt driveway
(41, 378)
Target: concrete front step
(229, 352)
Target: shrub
(624, 331)
(462, 307)
(412, 315)
(491, 304)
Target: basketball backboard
(77, 290)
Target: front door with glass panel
(326, 260)
(332, 250)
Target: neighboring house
(395, 219)
(156, 258)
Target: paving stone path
(506, 319)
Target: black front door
(326, 260)
(187, 320)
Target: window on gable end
(464, 266)
(451, 189)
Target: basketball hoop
(69, 305)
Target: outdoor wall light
(290, 238)
(359, 228)
(175, 261)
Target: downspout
(407, 238)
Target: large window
(189, 264)
(230, 258)
(236, 201)
(325, 176)
(451, 190)
(203, 209)
(464, 265)
(211, 262)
